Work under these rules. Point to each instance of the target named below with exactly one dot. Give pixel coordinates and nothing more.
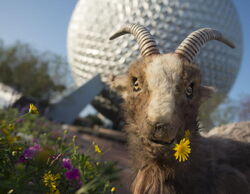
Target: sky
(44, 23)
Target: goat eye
(136, 86)
(189, 90)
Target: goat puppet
(162, 94)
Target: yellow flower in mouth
(182, 150)
(33, 109)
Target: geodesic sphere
(90, 51)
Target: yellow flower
(97, 148)
(50, 180)
(182, 150)
(10, 191)
(113, 189)
(187, 134)
(14, 153)
(11, 127)
(33, 109)
(5, 131)
(49, 177)
(88, 165)
(56, 192)
(11, 139)
(74, 138)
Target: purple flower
(36, 147)
(67, 163)
(21, 159)
(29, 153)
(73, 174)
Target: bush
(33, 160)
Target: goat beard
(151, 178)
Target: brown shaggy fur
(215, 165)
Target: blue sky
(44, 23)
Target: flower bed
(33, 160)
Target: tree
(220, 110)
(244, 108)
(226, 113)
(31, 72)
(207, 108)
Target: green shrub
(34, 160)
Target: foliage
(208, 108)
(34, 160)
(21, 65)
(244, 108)
(225, 113)
(220, 110)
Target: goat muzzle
(160, 134)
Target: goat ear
(206, 92)
(119, 84)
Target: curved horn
(191, 45)
(145, 40)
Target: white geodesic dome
(90, 51)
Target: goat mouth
(162, 142)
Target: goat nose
(160, 126)
(160, 130)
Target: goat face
(162, 92)
(161, 95)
